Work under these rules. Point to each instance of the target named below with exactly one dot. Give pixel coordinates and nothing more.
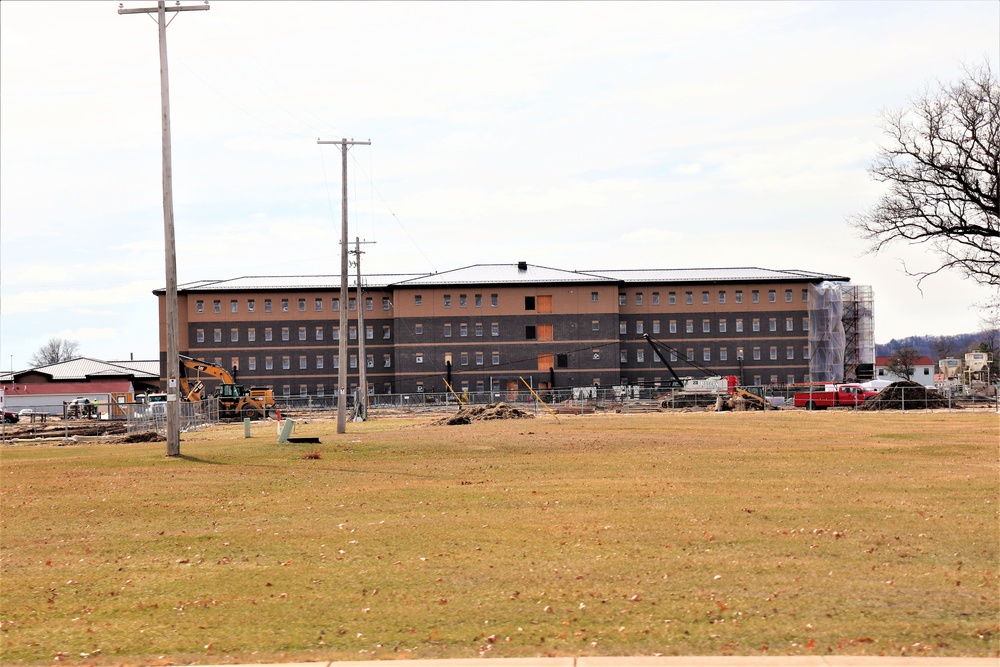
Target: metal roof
(749, 273)
(288, 282)
(82, 368)
(491, 274)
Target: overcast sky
(576, 135)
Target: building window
(418, 358)
(336, 332)
(623, 356)
(722, 326)
(496, 358)
(318, 305)
(704, 297)
(369, 333)
(369, 303)
(320, 390)
(251, 334)
(805, 324)
(464, 358)
(479, 329)
(706, 326)
(689, 326)
(387, 361)
(352, 304)
(284, 305)
(335, 304)
(673, 355)
(772, 296)
(284, 333)
(772, 324)
(286, 363)
(656, 298)
(805, 352)
(739, 296)
(478, 300)
(789, 352)
(418, 329)
(418, 300)
(805, 295)
(593, 297)
(689, 354)
(303, 390)
(234, 306)
(217, 335)
(268, 334)
(354, 361)
(386, 332)
(447, 301)
(199, 306)
(739, 325)
(268, 363)
(529, 332)
(251, 305)
(722, 296)
(336, 362)
(788, 296)
(689, 298)
(234, 335)
(319, 361)
(302, 333)
(622, 299)
(495, 329)
(267, 305)
(755, 296)
(656, 326)
(529, 303)
(756, 324)
(673, 326)
(252, 363)
(447, 330)
(302, 362)
(789, 324)
(352, 333)
(463, 330)
(479, 358)
(638, 298)
(640, 355)
(463, 301)
(756, 354)
(319, 333)
(723, 354)
(494, 300)
(672, 298)
(596, 354)
(385, 303)
(199, 336)
(706, 354)
(774, 353)
(370, 361)
(639, 327)
(623, 327)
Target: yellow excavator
(235, 400)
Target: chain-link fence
(142, 417)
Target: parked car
(10, 417)
(26, 412)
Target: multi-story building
(485, 327)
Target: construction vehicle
(690, 391)
(235, 400)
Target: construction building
(486, 326)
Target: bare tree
(942, 163)
(54, 351)
(903, 361)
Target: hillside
(939, 347)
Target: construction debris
(479, 413)
(907, 395)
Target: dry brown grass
(777, 533)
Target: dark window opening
(529, 332)
(562, 361)
(529, 303)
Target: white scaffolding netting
(826, 333)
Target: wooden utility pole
(344, 144)
(362, 407)
(173, 351)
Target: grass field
(676, 534)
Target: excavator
(724, 384)
(235, 400)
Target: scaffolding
(841, 331)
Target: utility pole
(362, 357)
(344, 144)
(173, 352)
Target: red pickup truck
(842, 394)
